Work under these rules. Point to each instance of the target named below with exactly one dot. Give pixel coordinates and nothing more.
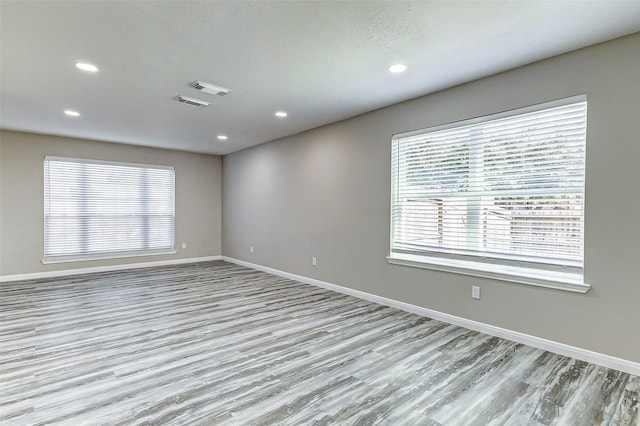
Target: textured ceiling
(319, 61)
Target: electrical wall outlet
(184, 245)
(313, 261)
(251, 249)
(475, 292)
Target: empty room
(320, 212)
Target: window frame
(110, 254)
(569, 276)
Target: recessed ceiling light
(71, 113)
(86, 67)
(281, 114)
(397, 68)
(222, 137)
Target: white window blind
(505, 189)
(97, 209)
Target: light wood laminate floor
(216, 343)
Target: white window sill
(106, 256)
(568, 281)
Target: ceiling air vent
(210, 88)
(192, 101)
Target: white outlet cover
(184, 245)
(475, 292)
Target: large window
(503, 193)
(98, 209)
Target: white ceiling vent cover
(192, 101)
(210, 88)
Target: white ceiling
(319, 61)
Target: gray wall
(198, 198)
(326, 193)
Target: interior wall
(197, 209)
(325, 193)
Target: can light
(84, 66)
(72, 113)
(281, 114)
(222, 137)
(396, 68)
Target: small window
(493, 193)
(99, 209)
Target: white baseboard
(66, 272)
(537, 342)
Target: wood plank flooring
(219, 344)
